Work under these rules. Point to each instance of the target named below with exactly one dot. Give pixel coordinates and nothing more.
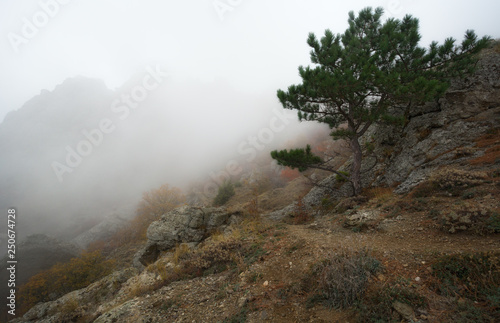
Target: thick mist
(80, 152)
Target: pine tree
(361, 74)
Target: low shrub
(214, 257)
(343, 278)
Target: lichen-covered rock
(182, 225)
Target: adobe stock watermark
(39, 20)
(222, 7)
(395, 7)
(94, 137)
(250, 148)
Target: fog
(81, 151)
(103, 100)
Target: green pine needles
(362, 76)
(296, 158)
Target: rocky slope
(437, 134)
(259, 269)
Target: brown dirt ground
(407, 247)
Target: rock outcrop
(437, 134)
(440, 133)
(185, 224)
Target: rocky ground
(405, 236)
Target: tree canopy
(359, 75)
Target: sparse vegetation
(476, 279)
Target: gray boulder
(185, 224)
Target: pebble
(266, 283)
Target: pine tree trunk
(357, 155)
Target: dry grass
(381, 194)
(180, 252)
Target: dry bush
(380, 193)
(216, 256)
(139, 289)
(343, 278)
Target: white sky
(256, 47)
